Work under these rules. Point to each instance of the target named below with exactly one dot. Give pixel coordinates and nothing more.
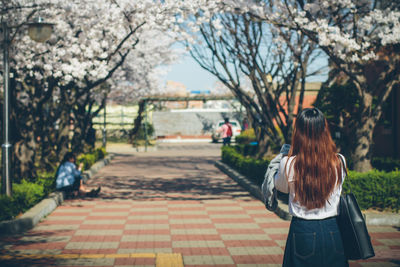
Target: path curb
(372, 218)
(88, 174)
(282, 210)
(30, 218)
(386, 219)
(144, 149)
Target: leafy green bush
(145, 127)
(247, 149)
(375, 189)
(249, 140)
(7, 208)
(386, 164)
(246, 137)
(89, 159)
(25, 195)
(47, 180)
(100, 153)
(248, 166)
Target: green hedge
(246, 165)
(27, 194)
(91, 158)
(246, 137)
(47, 181)
(373, 189)
(247, 149)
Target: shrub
(246, 137)
(248, 166)
(100, 153)
(87, 159)
(247, 149)
(375, 189)
(141, 134)
(47, 180)
(25, 195)
(7, 209)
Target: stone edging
(282, 210)
(30, 218)
(372, 218)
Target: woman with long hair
(312, 173)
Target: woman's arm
(281, 182)
(75, 171)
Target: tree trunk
(265, 147)
(82, 141)
(62, 138)
(362, 152)
(370, 115)
(137, 122)
(25, 151)
(372, 105)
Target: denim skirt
(314, 243)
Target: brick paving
(158, 207)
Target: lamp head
(39, 30)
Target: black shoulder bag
(356, 240)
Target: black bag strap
(345, 170)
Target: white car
(216, 136)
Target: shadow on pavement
(190, 188)
(13, 248)
(169, 178)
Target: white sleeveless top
(331, 206)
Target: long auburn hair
(316, 167)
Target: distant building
(173, 88)
(310, 95)
(176, 89)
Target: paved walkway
(166, 208)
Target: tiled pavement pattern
(158, 206)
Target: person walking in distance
(226, 130)
(312, 174)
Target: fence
(118, 120)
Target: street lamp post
(105, 122)
(6, 146)
(145, 127)
(39, 32)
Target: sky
(189, 72)
(195, 78)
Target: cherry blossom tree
(142, 71)
(362, 41)
(264, 65)
(66, 75)
(61, 76)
